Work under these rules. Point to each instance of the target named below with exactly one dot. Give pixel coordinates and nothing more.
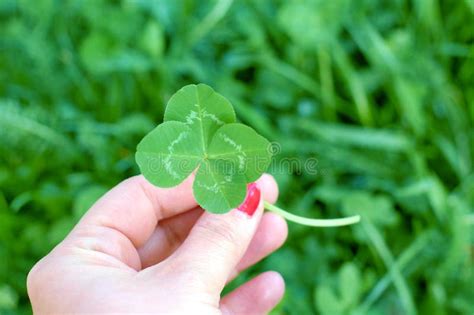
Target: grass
(381, 93)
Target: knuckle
(220, 232)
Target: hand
(143, 249)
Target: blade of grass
(327, 83)
(402, 262)
(298, 78)
(394, 271)
(212, 18)
(339, 158)
(14, 121)
(355, 85)
(378, 139)
(291, 73)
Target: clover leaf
(237, 155)
(202, 109)
(200, 134)
(168, 154)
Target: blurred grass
(380, 92)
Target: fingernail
(252, 200)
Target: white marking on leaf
(191, 117)
(167, 160)
(241, 161)
(213, 117)
(214, 188)
(240, 153)
(200, 114)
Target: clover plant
(200, 133)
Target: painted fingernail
(252, 200)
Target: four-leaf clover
(200, 133)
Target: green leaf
(322, 17)
(168, 154)
(8, 297)
(349, 284)
(236, 156)
(377, 209)
(152, 39)
(242, 146)
(218, 187)
(327, 301)
(202, 109)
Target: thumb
(217, 242)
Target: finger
(269, 187)
(270, 235)
(218, 242)
(258, 296)
(167, 237)
(171, 232)
(214, 246)
(125, 218)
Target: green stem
(312, 222)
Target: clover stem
(312, 222)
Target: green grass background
(381, 93)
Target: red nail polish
(252, 200)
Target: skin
(143, 249)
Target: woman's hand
(143, 249)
